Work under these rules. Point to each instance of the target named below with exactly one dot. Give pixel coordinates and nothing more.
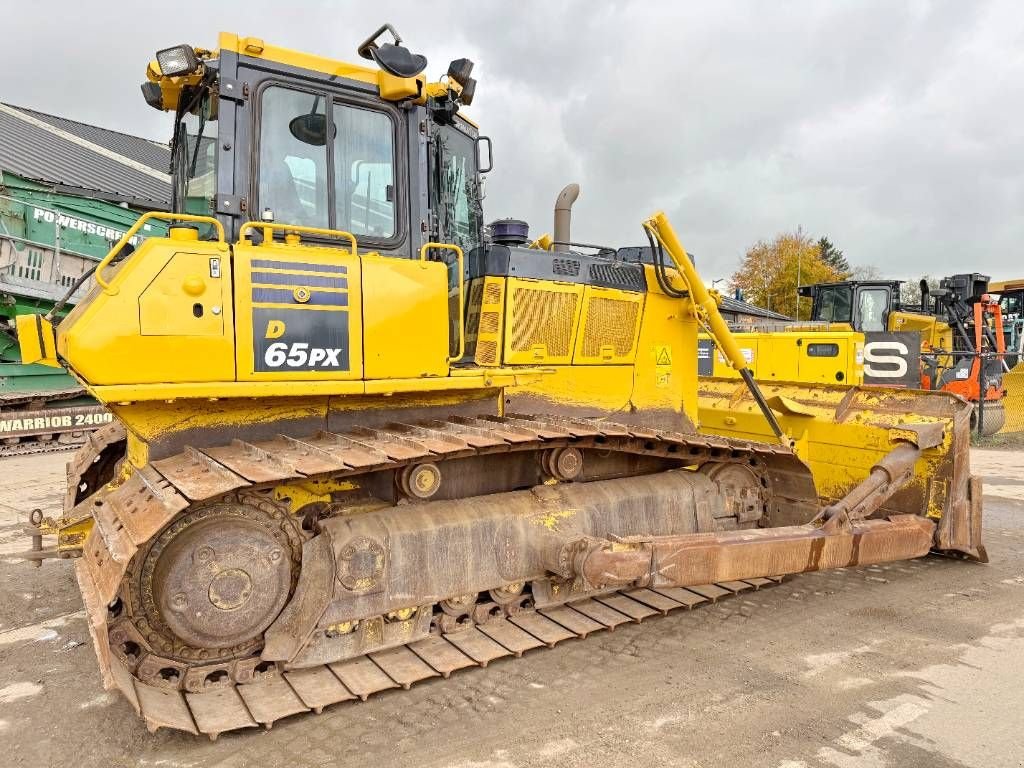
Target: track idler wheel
(216, 578)
(222, 581)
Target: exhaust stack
(563, 215)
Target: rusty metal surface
(660, 603)
(885, 478)
(93, 463)
(478, 646)
(163, 708)
(271, 700)
(508, 635)
(396, 651)
(254, 463)
(96, 616)
(292, 628)
(362, 677)
(959, 529)
(306, 458)
(230, 707)
(602, 614)
(695, 559)
(318, 687)
(403, 666)
(145, 504)
(198, 476)
(223, 579)
(442, 656)
(219, 710)
(572, 621)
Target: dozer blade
(840, 432)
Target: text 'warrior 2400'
(360, 444)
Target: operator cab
(864, 304)
(266, 134)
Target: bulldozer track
(36, 446)
(226, 696)
(85, 475)
(281, 694)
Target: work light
(179, 60)
(460, 70)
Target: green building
(68, 192)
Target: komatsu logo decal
(300, 340)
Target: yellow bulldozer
(362, 440)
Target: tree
(834, 257)
(771, 271)
(865, 272)
(910, 291)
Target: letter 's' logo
(886, 359)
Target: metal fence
(1004, 370)
(1013, 403)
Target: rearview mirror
(310, 129)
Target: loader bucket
(842, 432)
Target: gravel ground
(914, 664)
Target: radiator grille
(570, 267)
(489, 322)
(492, 293)
(486, 353)
(483, 322)
(454, 323)
(610, 322)
(627, 276)
(543, 317)
(473, 310)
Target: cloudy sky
(894, 128)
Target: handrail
(127, 236)
(462, 293)
(268, 228)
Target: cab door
(872, 304)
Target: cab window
(296, 160)
(872, 307)
(293, 160)
(364, 172)
(200, 188)
(454, 187)
(834, 304)
(1012, 305)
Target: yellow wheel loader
(361, 441)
